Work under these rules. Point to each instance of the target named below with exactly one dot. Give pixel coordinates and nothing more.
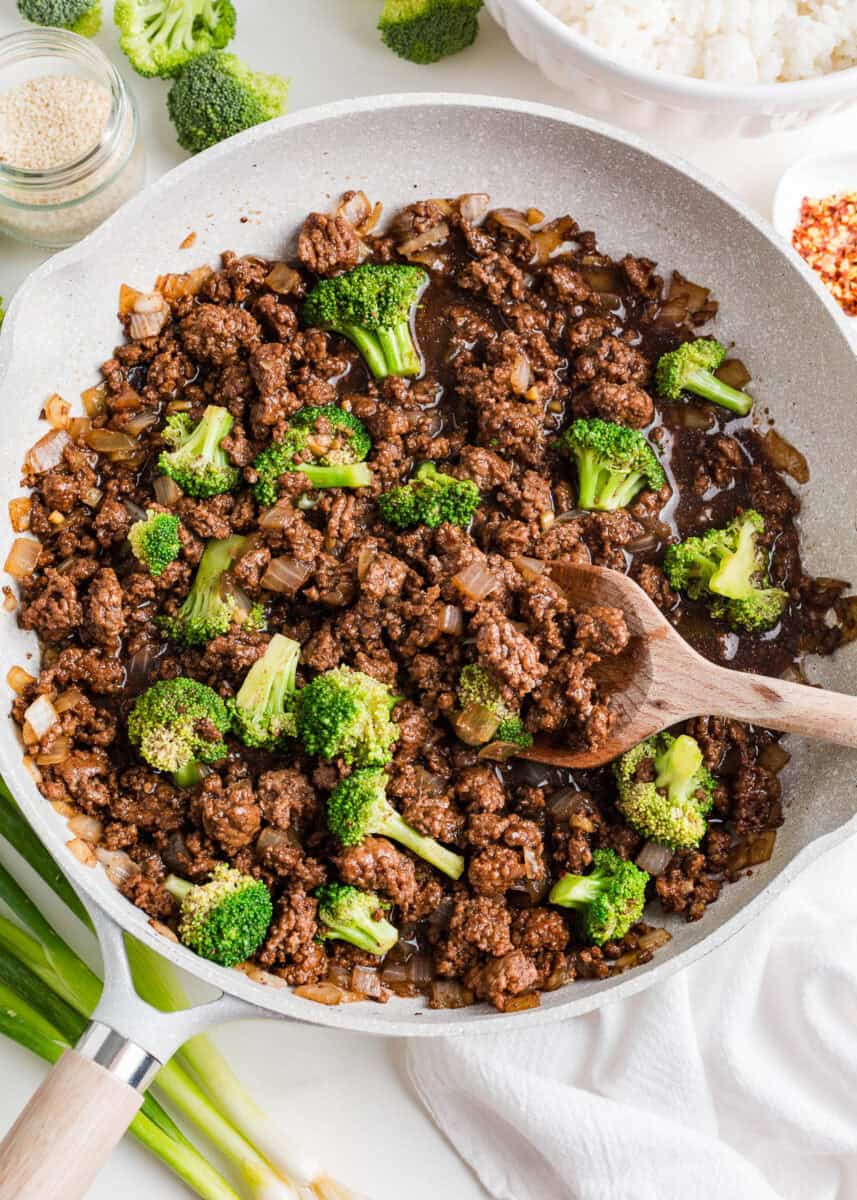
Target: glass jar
(57, 205)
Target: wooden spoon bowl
(659, 680)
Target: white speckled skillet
(250, 195)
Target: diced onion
(57, 753)
(95, 400)
(392, 973)
(79, 427)
(364, 561)
(449, 993)
(127, 299)
(511, 219)
(286, 575)
(118, 867)
(283, 279)
(19, 680)
(271, 838)
(258, 975)
(325, 993)
(654, 938)
(139, 666)
(428, 783)
(451, 620)
(338, 973)
(733, 372)
(167, 491)
(82, 851)
(774, 757)
(499, 751)
(57, 411)
(41, 716)
(522, 1003)
(68, 699)
(475, 724)
(278, 516)
(134, 511)
(19, 513)
(174, 287)
(140, 422)
(22, 558)
(48, 451)
(92, 497)
(530, 568)
(521, 375)
(89, 829)
(367, 981)
(432, 236)
(756, 848)
(785, 457)
(473, 206)
(475, 581)
(110, 441)
(10, 602)
(654, 858)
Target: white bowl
(657, 102)
(816, 176)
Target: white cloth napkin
(735, 1079)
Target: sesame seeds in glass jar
(69, 154)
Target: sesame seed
(51, 120)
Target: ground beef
(327, 245)
(377, 866)
(514, 347)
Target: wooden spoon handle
(777, 704)
(66, 1133)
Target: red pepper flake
(826, 236)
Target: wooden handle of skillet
(777, 704)
(66, 1133)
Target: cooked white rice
(739, 41)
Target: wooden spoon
(659, 680)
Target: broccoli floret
(669, 801)
(217, 95)
(613, 463)
(263, 711)
(155, 541)
(358, 808)
(485, 716)
(372, 307)
(176, 724)
(609, 900)
(159, 37)
(691, 367)
(80, 16)
(325, 443)
(346, 714)
(355, 917)
(729, 570)
(430, 498)
(198, 464)
(207, 611)
(425, 31)
(226, 919)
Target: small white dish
(816, 176)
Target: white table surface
(315, 1079)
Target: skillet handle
(71, 1125)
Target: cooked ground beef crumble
(521, 328)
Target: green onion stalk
(197, 1081)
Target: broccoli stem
(588, 469)
(386, 351)
(178, 888)
(399, 351)
(705, 384)
(189, 776)
(348, 475)
(396, 827)
(576, 891)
